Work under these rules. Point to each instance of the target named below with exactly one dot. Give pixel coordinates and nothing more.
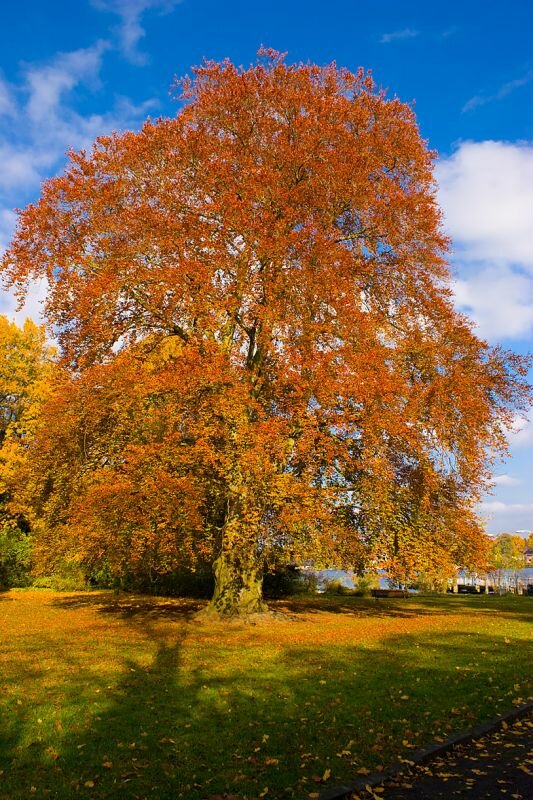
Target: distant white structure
(517, 581)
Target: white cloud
(131, 31)
(501, 516)
(17, 167)
(6, 100)
(48, 111)
(486, 192)
(395, 36)
(447, 32)
(497, 507)
(49, 83)
(8, 219)
(503, 91)
(45, 124)
(506, 480)
(521, 434)
(32, 307)
(499, 299)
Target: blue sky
(70, 71)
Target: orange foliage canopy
(263, 360)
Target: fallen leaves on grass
(95, 649)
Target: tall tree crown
(273, 258)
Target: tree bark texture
(238, 585)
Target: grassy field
(133, 697)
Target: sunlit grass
(136, 698)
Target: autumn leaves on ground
(135, 697)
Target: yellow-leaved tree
(25, 365)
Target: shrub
(68, 576)
(335, 586)
(15, 558)
(364, 584)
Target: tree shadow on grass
(408, 607)
(193, 710)
(144, 607)
(99, 731)
(129, 606)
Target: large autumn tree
(262, 358)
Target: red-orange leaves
(254, 299)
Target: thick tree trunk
(238, 586)
(238, 570)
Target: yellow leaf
(89, 784)
(326, 775)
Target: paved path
(499, 765)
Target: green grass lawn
(135, 698)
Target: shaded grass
(135, 698)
